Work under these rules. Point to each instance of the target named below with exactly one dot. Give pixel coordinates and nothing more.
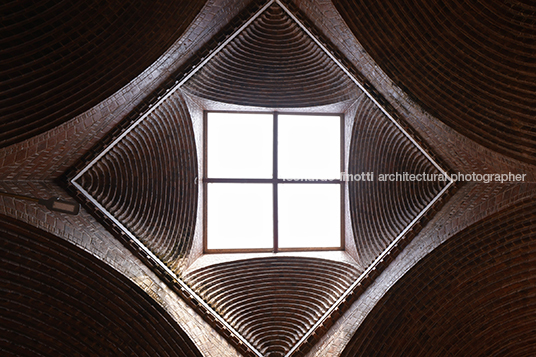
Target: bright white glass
(309, 147)
(309, 215)
(239, 145)
(239, 216)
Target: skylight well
(272, 182)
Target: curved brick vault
(148, 182)
(382, 210)
(272, 63)
(273, 301)
(475, 295)
(60, 59)
(58, 300)
(137, 182)
(467, 64)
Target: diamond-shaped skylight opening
(109, 169)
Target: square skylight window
(236, 213)
(309, 216)
(309, 147)
(240, 145)
(272, 182)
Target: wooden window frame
(275, 181)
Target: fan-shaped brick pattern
(380, 210)
(471, 64)
(272, 63)
(272, 302)
(61, 58)
(147, 181)
(475, 295)
(58, 300)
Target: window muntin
(305, 209)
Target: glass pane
(309, 147)
(239, 145)
(309, 215)
(239, 216)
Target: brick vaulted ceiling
(272, 63)
(274, 301)
(472, 65)
(147, 181)
(60, 58)
(460, 293)
(136, 183)
(64, 302)
(457, 77)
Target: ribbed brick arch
(272, 63)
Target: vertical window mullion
(205, 166)
(275, 176)
(343, 183)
